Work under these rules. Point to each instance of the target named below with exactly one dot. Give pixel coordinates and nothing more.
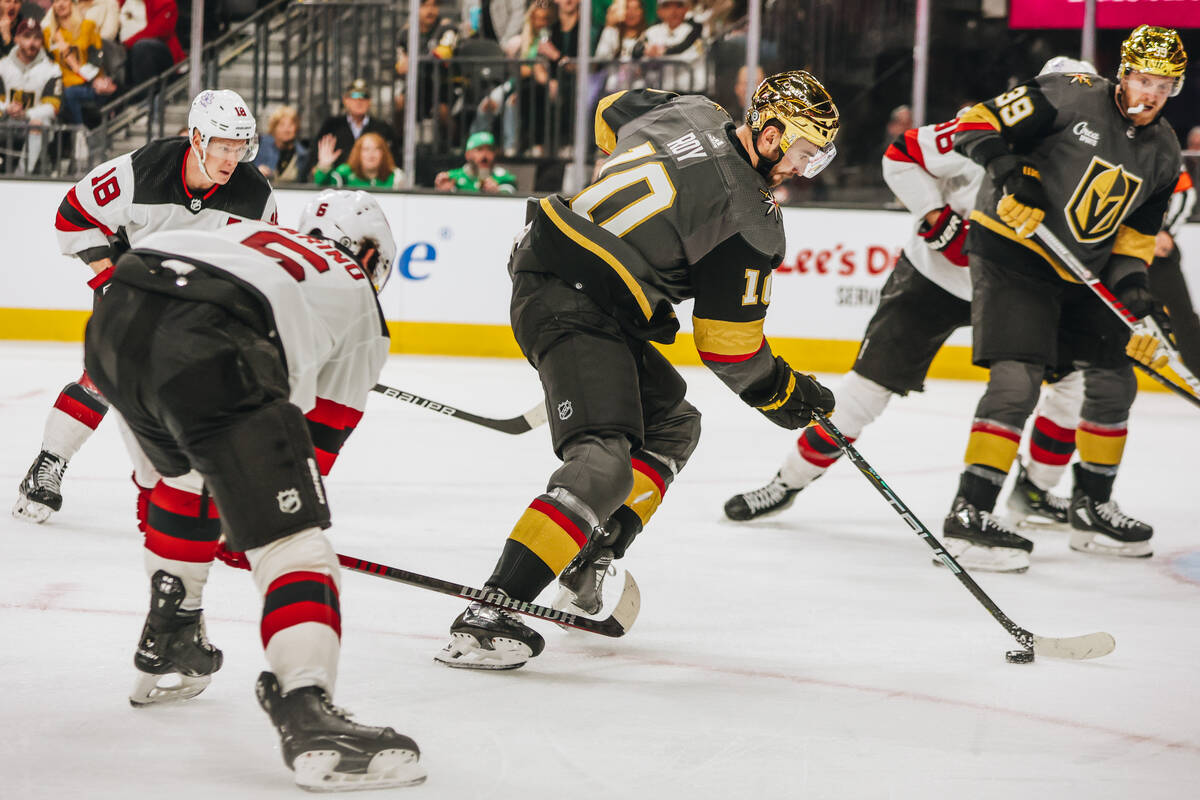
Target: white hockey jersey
(923, 171)
(36, 86)
(139, 193)
(320, 304)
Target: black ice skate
(40, 494)
(1033, 507)
(978, 540)
(488, 637)
(328, 751)
(1103, 529)
(582, 580)
(770, 499)
(174, 658)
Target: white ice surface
(818, 654)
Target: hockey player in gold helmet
(1152, 65)
(799, 108)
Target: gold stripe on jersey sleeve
(54, 101)
(606, 137)
(723, 338)
(999, 228)
(1132, 242)
(624, 274)
(980, 113)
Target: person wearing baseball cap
(480, 173)
(338, 133)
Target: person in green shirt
(370, 164)
(480, 173)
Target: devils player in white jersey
(202, 182)
(213, 345)
(926, 298)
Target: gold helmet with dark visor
(1154, 51)
(801, 106)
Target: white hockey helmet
(223, 114)
(1067, 64)
(356, 222)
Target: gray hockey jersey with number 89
(1108, 182)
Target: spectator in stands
(678, 43)
(31, 92)
(744, 90)
(480, 174)
(714, 16)
(1193, 140)
(437, 37)
(560, 52)
(600, 13)
(280, 153)
(74, 43)
(346, 128)
(623, 28)
(148, 33)
(533, 89)
(499, 20)
(106, 14)
(10, 18)
(370, 164)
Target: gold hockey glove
(1142, 347)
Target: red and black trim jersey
(129, 197)
(1183, 200)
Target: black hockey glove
(1024, 202)
(947, 235)
(790, 398)
(1133, 291)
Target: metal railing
(44, 150)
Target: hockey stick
(1145, 325)
(1091, 645)
(531, 419)
(616, 624)
(1169, 384)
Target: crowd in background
(496, 80)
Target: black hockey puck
(1019, 656)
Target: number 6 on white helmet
(356, 222)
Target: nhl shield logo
(565, 409)
(195, 204)
(1101, 199)
(289, 501)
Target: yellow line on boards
(496, 341)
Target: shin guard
(299, 580)
(181, 533)
(76, 414)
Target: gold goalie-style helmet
(802, 108)
(801, 105)
(1156, 51)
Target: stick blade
(1078, 648)
(626, 611)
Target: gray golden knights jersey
(677, 213)
(133, 195)
(1108, 181)
(319, 304)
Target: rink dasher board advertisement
(450, 280)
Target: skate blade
(1035, 522)
(31, 511)
(565, 601)
(1099, 544)
(986, 559)
(467, 652)
(148, 692)
(316, 771)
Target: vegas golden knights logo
(1100, 201)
